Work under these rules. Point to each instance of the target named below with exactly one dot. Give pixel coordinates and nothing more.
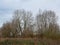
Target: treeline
(25, 25)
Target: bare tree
(27, 19)
(22, 20)
(16, 22)
(44, 19)
(28, 22)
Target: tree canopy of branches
(22, 20)
(47, 21)
(23, 24)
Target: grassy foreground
(18, 41)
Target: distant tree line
(25, 25)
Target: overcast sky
(7, 7)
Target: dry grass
(29, 41)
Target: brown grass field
(28, 41)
